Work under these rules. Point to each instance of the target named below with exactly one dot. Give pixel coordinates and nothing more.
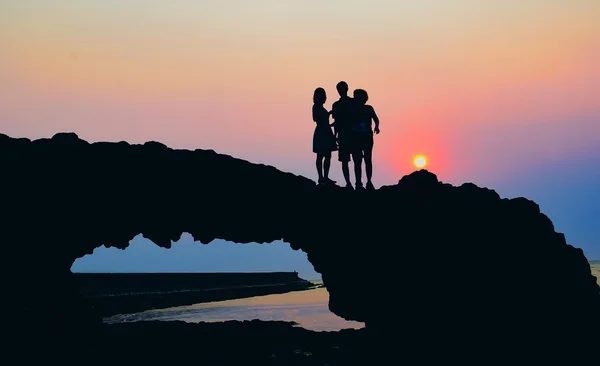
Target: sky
(504, 94)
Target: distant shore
(124, 293)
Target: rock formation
(453, 268)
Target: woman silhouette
(323, 139)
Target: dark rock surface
(225, 343)
(256, 343)
(455, 269)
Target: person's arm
(332, 113)
(333, 109)
(329, 114)
(314, 114)
(375, 119)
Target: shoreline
(306, 309)
(107, 319)
(112, 294)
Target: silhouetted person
(343, 112)
(362, 131)
(323, 138)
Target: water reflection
(307, 308)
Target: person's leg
(357, 158)
(344, 158)
(319, 164)
(346, 172)
(326, 166)
(369, 163)
(368, 155)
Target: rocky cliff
(448, 267)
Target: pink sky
(477, 87)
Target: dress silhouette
(323, 139)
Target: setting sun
(420, 161)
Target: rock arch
(421, 257)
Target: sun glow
(420, 161)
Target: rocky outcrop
(255, 343)
(444, 266)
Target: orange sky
(457, 81)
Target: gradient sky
(505, 94)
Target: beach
(307, 309)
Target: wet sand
(308, 309)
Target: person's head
(361, 96)
(342, 88)
(319, 97)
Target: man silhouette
(343, 112)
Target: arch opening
(195, 282)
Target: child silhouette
(362, 131)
